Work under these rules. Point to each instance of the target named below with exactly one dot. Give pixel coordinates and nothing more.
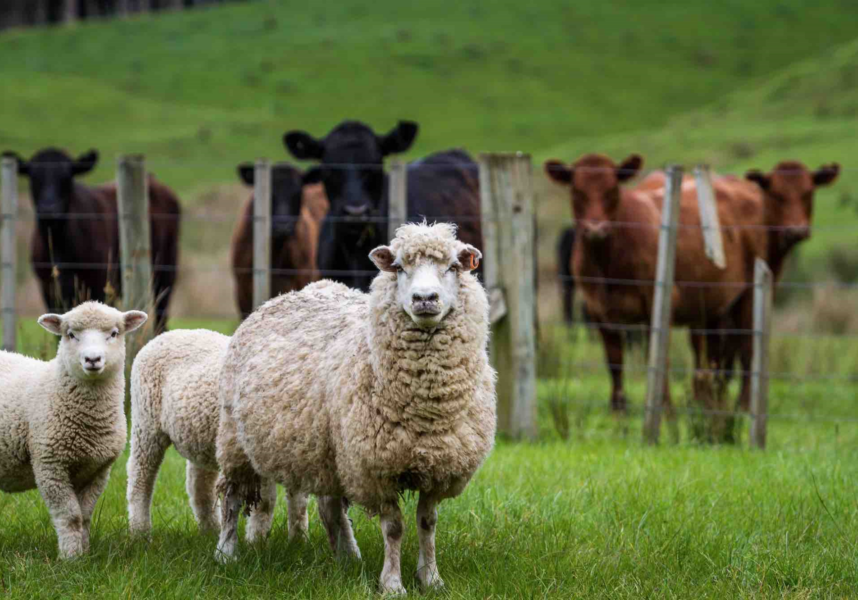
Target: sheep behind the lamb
(348, 395)
(174, 400)
(62, 423)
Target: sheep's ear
(469, 257)
(134, 319)
(383, 258)
(52, 323)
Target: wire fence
(564, 370)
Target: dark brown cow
(75, 245)
(298, 206)
(616, 249)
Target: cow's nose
(424, 297)
(595, 231)
(798, 233)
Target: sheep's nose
(424, 297)
(92, 360)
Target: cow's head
(595, 182)
(351, 158)
(52, 172)
(788, 190)
(287, 184)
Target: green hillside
(202, 90)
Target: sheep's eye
(113, 334)
(451, 268)
(71, 336)
(399, 269)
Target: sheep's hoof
(224, 557)
(430, 583)
(392, 588)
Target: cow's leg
(200, 484)
(390, 581)
(427, 568)
(613, 343)
(744, 345)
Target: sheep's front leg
(262, 515)
(427, 569)
(59, 496)
(334, 515)
(200, 485)
(391, 529)
(230, 509)
(87, 498)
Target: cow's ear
(629, 167)
(303, 146)
(758, 177)
(246, 172)
(557, 171)
(85, 162)
(826, 174)
(23, 165)
(311, 176)
(399, 139)
(384, 259)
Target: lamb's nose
(424, 297)
(92, 360)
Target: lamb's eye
(399, 269)
(71, 336)
(113, 334)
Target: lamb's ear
(52, 323)
(759, 178)
(134, 319)
(469, 257)
(383, 258)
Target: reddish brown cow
(785, 208)
(298, 206)
(617, 247)
(75, 245)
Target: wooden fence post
(760, 360)
(70, 12)
(506, 199)
(9, 176)
(659, 340)
(397, 197)
(134, 240)
(261, 233)
(709, 221)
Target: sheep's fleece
(61, 426)
(175, 400)
(338, 393)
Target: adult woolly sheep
(363, 396)
(62, 422)
(174, 400)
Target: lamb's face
(427, 284)
(92, 344)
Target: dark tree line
(30, 13)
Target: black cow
(443, 186)
(75, 245)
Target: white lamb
(62, 422)
(363, 396)
(174, 400)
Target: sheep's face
(427, 283)
(92, 344)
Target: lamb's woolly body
(61, 433)
(175, 400)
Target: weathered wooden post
(261, 233)
(760, 359)
(657, 373)
(711, 224)
(134, 240)
(506, 200)
(9, 176)
(70, 12)
(398, 196)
